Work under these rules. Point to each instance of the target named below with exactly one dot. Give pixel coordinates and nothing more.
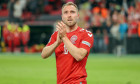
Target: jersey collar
(78, 28)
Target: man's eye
(72, 11)
(65, 12)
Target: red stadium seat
(57, 12)
(48, 8)
(26, 15)
(4, 13)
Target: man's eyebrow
(72, 10)
(69, 10)
(65, 11)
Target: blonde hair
(70, 3)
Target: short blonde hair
(70, 3)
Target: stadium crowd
(98, 15)
(103, 17)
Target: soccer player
(25, 36)
(71, 45)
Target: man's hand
(61, 27)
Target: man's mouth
(69, 19)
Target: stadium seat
(4, 13)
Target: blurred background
(26, 25)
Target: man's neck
(73, 28)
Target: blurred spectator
(106, 40)
(132, 26)
(93, 3)
(23, 3)
(123, 27)
(111, 7)
(115, 31)
(32, 5)
(18, 8)
(122, 30)
(125, 6)
(40, 7)
(139, 28)
(104, 11)
(11, 9)
(137, 6)
(84, 15)
(116, 35)
(115, 17)
(107, 25)
(123, 12)
(96, 22)
(96, 10)
(84, 18)
(98, 42)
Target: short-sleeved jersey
(70, 71)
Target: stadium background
(114, 59)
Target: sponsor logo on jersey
(86, 43)
(73, 39)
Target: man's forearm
(48, 50)
(77, 53)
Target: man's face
(69, 15)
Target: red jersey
(70, 71)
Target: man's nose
(69, 14)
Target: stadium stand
(113, 22)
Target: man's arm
(77, 53)
(48, 50)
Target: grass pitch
(23, 68)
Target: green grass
(101, 68)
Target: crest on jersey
(73, 39)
